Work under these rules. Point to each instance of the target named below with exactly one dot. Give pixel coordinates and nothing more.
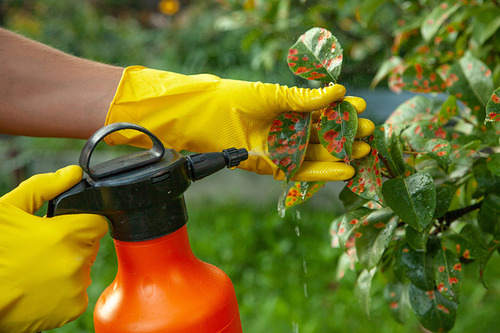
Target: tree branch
(454, 215)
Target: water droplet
(304, 265)
(305, 290)
(295, 327)
(297, 230)
(282, 201)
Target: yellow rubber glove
(203, 113)
(44, 262)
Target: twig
(454, 215)
(386, 163)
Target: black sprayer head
(202, 165)
(142, 194)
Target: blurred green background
(283, 269)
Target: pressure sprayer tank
(160, 285)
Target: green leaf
(448, 110)
(470, 80)
(486, 23)
(373, 236)
(444, 195)
(437, 149)
(363, 287)
(487, 180)
(337, 129)
(389, 146)
(385, 68)
(410, 111)
(448, 274)
(350, 200)
(317, 55)
(466, 242)
(300, 192)
(488, 216)
(287, 141)
(435, 312)
(417, 239)
(413, 199)
(493, 106)
(396, 296)
(493, 164)
(417, 266)
(367, 181)
(436, 18)
(493, 247)
(344, 226)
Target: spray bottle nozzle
(205, 164)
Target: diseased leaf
(470, 80)
(437, 149)
(466, 242)
(436, 18)
(300, 192)
(417, 266)
(337, 129)
(413, 110)
(396, 296)
(345, 226)
(448, 110)
(413, 199)
(416, 78)
(287, 141)
(317, 55)
(493, 106)
(385, 68)
(388, 145)
(448, 274)
(435, 312)
(367, 181)
(373, 236)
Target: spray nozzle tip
(234, 156)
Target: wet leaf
(444, 195)
(337, 129)
(493, 106)
(448, 274)
(437, 149)
(487, 179)
(389, 146)
(413, 198)
(466, 242)
(435, 312)
(493, 247)
(417, 239)
(373, 236)
(287, 141)
(317, 55)
(417, 266)
(367, 181)
(301, 192)
(350, 200)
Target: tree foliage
(425, 201)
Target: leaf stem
(386, 163)
(454, 215)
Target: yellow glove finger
(30, 195)
(316, 152)
(303, 99)
(358, 103)
(320, 171)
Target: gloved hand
(203, 113)
(44, 262)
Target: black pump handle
(123, 163)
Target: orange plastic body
(161, 286)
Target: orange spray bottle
(160, 285)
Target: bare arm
(45, 92)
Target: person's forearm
(45, 92)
